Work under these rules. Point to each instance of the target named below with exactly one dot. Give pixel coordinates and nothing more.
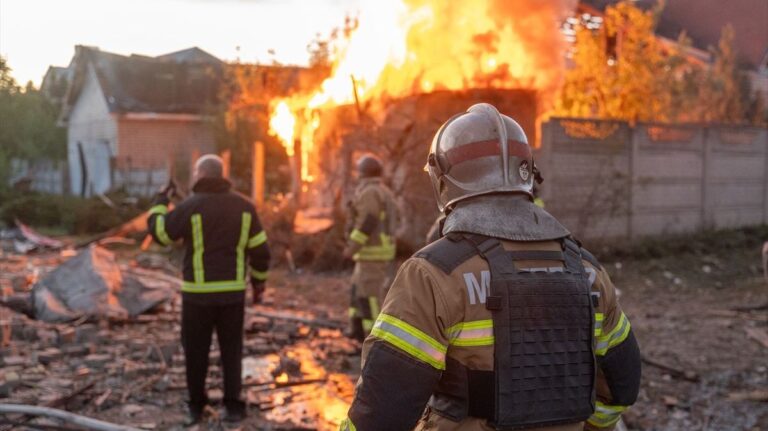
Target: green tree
(27, 124)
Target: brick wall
(150, 143)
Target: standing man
(371, 243)
(505, 322)
(224, 244)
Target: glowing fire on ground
(404, 47)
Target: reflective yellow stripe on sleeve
(474, 333)
(197, 249)
(410, 339)
(599, 317)
(347, 425)
(605, 416)
(259, 275)
(359, 237)
(245, 227)
(160, 232)
(257, 240)
(614, 337)
(158, 209)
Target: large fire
(404, 47)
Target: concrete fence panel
(607, 180)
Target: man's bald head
(209, 166)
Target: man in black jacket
(224, 245)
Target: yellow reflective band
(259, 275)
(158, 209)
(347, 425)
(197, 249)
(469, 334)
(605, 416)
(245, 227)
(160, 233)
(367, 325)
(352, 311)
(213, 286)
(359, 237)
(614, 337)
(373, 303)
(599, 317)
(384, 252)
(539, 202)
(257, 240)
(410, 339)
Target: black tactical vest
(544, 364)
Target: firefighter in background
(225, 245)
(371, 244)
(504, 323)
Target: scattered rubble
(93, 285)
(702, 342)
(128, 368)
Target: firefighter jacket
(373, 215)
(434, 340)
(223, 239)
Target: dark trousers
(197, 324)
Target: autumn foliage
(622, 70)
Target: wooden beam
(258, 173)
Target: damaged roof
(183, 82)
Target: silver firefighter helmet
(479, 152)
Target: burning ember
(404, 47)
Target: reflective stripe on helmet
(411, 340)
(479, 149)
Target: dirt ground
(705, 367)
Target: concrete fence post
(706, 160)
(634, 182)
(764, 134)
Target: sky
(35, 34)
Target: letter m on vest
(477, 291)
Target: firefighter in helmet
(506, 322)
(371, 244)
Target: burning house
(391, 104)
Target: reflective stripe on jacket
(430, 318)
(223, 238)
(374, 216)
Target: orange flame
(282, 124)
(404, 47)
